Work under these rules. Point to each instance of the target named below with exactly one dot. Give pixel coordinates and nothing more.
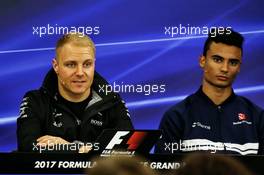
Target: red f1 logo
(135, 140)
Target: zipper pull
(219, 108)
(78, 122)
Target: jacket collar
(201, 94)
(50, 86)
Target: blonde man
(70, 108)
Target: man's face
(221, 64)
(75, 70)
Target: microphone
(62, 82)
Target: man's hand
(48, 140)
(85, 149)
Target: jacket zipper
(220, 111)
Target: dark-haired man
(214, 118)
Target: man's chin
(222, 85)
(78, 91)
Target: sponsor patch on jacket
(242, 116)
(23, 107)
(96, 122)
(241, 122)
(127, 111)
(198, 124)
(57, 119)
(242, 119)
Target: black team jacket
(42, 113)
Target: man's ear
(238, 71)
(239, 67)
(55, 65)
(202, 61)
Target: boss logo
(96, 122)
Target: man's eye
(87, 64)
(234, 62)
(70, 65)
(217, 60)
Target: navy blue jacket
(196, 124)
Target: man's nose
(79, 70)
(224, 67)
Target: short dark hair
(226, 36)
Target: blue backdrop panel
(132, 48)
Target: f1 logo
(134, 141)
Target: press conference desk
(76, 163)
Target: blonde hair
(77, 39)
